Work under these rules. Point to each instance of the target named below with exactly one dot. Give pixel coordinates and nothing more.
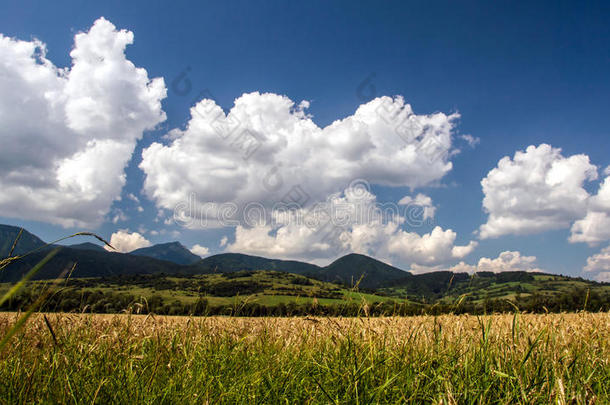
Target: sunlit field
(523, 358)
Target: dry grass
(560, 358)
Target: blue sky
(518, 74)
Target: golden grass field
(522, 358)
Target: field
(522, 358)
(503, 286)
(273, 293)
(244, 292)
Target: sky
(473, 135)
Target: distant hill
(363, 270)
(89, 263)
(448, 287)
(231, 262)
(27, 242)
(347, 270)
(173, 252)
(354, 269)
(427, 284)
(258, 292)
(87, 246)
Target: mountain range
(173, 258)
(367, 273)
(173, 252)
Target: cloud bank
(506, 261)
(536, 191)
(267, 144)
(350, 221)
(67, 134)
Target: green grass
(481, 288)
(84, 358)
(188, 289)
(530, 359)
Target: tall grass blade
(15, 289)
(10, 253)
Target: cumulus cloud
(594, 228)
(267, 145)
(599, 261)
(67, 134)
(320, 232)
(537, 190)
(600, 265)
(349, 222)
(200, 250)
(506, 261)
(125, 242)
(428, 249)
(428, 210)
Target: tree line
(99, 301)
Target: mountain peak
(175, 244)
(26, 243)
(367, 271)
(171, 251)
(228, 262)
(355, 256)
(87, 246)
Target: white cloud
(349, 222)
(599, 261)
(459, 252)
(67, 134)
(124, 241)
(133, 198)
(462, 267)
(601, 201)
(422, 268)
(118, 216)
(506, 261)
(603, 277)
(223, 241)
(428, 249)
(471, 140)
(288, 241)
(200, 250)
(266, 145)
(428, 210)
(594, 228)
(537, 190)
